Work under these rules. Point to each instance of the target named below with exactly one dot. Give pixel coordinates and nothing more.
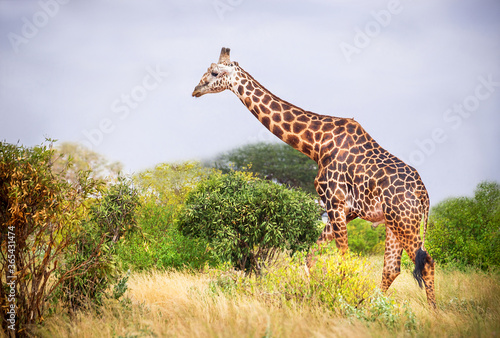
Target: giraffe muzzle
(197, 92)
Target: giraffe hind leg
(424, 264)
(392, 260)
(424, 274)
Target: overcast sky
(422, 77)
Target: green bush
(94, 268)
(92, 256)
(465, 231)
(159, 244)
(247, 220)
(115, 211)
(334, 281)
(39, 213)
(364, 239)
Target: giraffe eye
(214, 74)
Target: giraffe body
(356, 176)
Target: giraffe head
(217, 77)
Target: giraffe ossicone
(356, 178)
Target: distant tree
(467, 230)
(272, 161)
(71, 158)
(169, 183)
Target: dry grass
(177, 304)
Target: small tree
(247, 221)
(39, 212)
(111, 216)
(467, 230)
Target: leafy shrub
(92, 257)
(364, 239)
(159, 244)
(334, 280)
(115, 211)
(465, 230)
(94, 269)
(247, 220)
(39, 213)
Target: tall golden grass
(182, 304)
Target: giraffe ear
(224, 56)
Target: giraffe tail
(425, 206)
(421, 255)
(420, 259)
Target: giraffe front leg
(325, 238)
(335, 230)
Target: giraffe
(356, 176)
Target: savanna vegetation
(187, 250)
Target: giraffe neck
(289, 123)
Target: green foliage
(115, 212)
(334, 281)
(121, 287)
(466, 230)
(93, 269)
(247, 220)
(39, 211)
(364, 239)
(337, 283)
(159, 244)
(169, 183)
(379, 308)
(92, 257)
(272, 161)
